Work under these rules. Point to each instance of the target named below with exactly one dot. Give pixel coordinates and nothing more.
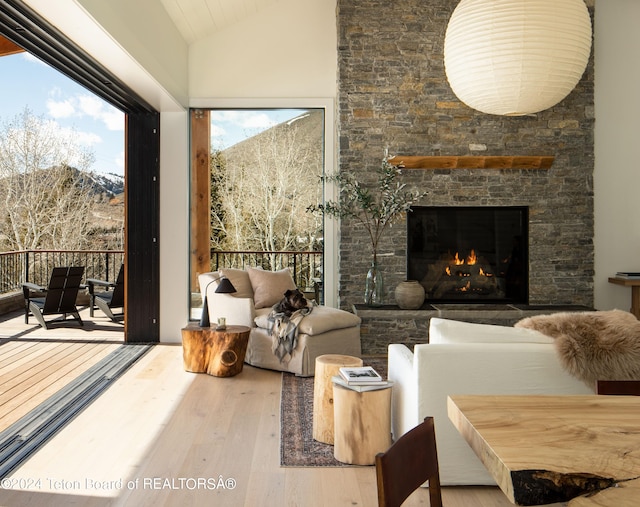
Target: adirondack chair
(108, 300)
(58, 298)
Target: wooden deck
(35, 363)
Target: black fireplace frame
(514, 293)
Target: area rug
(297, 446)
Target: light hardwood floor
(158, 430)
(35, 363)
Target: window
(142, 215)
(264, 169)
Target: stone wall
(393, 92)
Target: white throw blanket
(284, 331)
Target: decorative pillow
(453, 331)
(593, 345)
(269, 286)
(240, 280)
(320, 320)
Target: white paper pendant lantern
(516, 57)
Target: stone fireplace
(393, 93)
(472, 254)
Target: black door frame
(29, 30)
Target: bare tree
(45, 200)
(265, 186)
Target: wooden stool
(362, 424)
(217, 352)
(327, 366)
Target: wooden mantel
(471, 162)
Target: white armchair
(325, 330)
(463, 358)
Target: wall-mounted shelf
(471, 162)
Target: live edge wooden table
(217, 352)
(584, 450)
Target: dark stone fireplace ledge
(456, 310)
(383, 325)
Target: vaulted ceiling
(197, 19)
(194, 19)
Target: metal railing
(306, 267)
(35, 265)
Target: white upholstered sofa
(325, 330)
(463, 358)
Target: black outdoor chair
(58, 298)
(108, 300)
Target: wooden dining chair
(621, 387)
(407, 464)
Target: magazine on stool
(360, 375)
(373, 386)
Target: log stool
(217, 352)
(327, 366)
(362, 425)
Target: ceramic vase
(409, 295)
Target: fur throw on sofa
(593, 345)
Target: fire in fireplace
(469, 254)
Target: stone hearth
(390, 324)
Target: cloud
(243, 119)
(30, 58)
(82, 106)
(119, 161)
(90, 105)
(258, 121)
(113, 119)
(234, 125)
(60, 109)
(218, 131)
(87, 138)
(81, 138)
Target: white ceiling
(197, 19)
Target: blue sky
(229, 127)
(27, 82)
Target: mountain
(107, 185)
(105, 194)
(110, 183)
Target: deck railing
(35, 265)
(306, 267)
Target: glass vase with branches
(376, 207)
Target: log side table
(327, 366)
(217, 352)
(362, 425)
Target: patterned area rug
(297, 446)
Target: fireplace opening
(469, 254)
